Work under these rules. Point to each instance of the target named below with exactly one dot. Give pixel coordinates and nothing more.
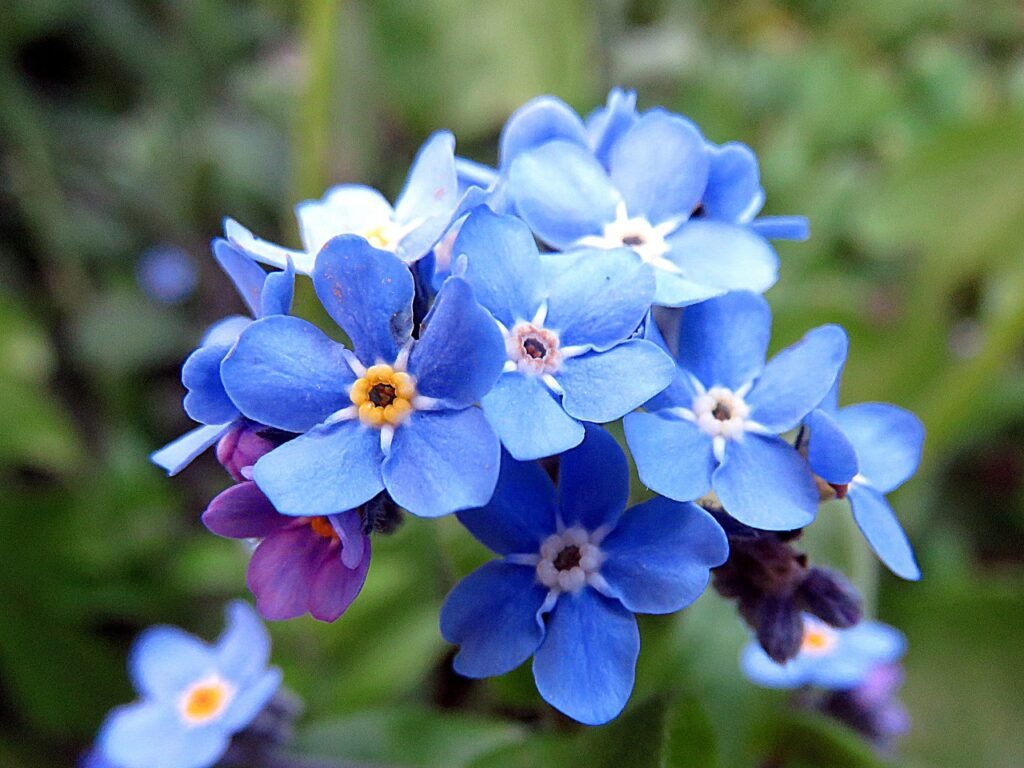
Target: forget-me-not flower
(193, 696)
(574, 570)
(717, 425)
(570, 358)
(395, 413)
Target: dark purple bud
(780, 628)
(829, 596)
(242, 447)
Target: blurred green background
(897, 126)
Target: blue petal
(250, 701)
(243, 649)
(245, 273)
(734, 190)
(285, 373)
(604, 386)
(492, 615)
(586, 665)
(562, 192)
(460, 352)
(888, 440)
(278, 291)
(443, 461)
(601, 300)
(593, 481)
(829, 452)
(368, 293)
(798, 378)
(206, 400)
(763, 671)
(537, 122)
(430, 196)
(528, 418)
(606, 125)
(673, 289)
(883, 531)
(225, 332)
(723, 342)
(474, 174)
(502, 265)
(766, 484)
(177, 455)
(660, 166)
(151, 735)
(520, 514)
(673, 457)
(344, 209)
(723, 256)
(660, 555)
(165, 660)
(267, 252)
(328, 470)
(782, 227)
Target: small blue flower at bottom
(194, 696)
(574, 571)
(834, 659)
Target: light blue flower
(193, 696)
(396, 413)
(835, 659)
(574, 570)
(570, 355)
(717, 425)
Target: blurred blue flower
(194, 696)
(166, 274)
(835, 659)
(395, 413)
(570, 358)
(717, 425)
(574, 570)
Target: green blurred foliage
(897, 127)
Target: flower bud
(780, 628)
(242, 447)
(829, 596)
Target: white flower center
(533, 349)
(570, 560)
(636, 232)
(819, 638)
(720, 412)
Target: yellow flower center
(383, 395)
(818, 639)
(205, 700)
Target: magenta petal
(282, 571)
(335, 586)
(355, 545)
(243, 512)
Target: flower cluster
(609, 268)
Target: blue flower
(206, 401)
(420, 216)
(570, 358)
(194, 696)
(395, 414)
(717, 425)
(872, 448)
(835, 659)
(574, 570)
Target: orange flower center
(205, 700)
(322, 527)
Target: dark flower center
(381, 395)
(568, 558)
(534, 348)
(722, 412)
(633, 240)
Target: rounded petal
(660, 555)
(247, 276)
(724, 257)
(766, 484)
(673, 457)
(164, 660)
(593, 481)
(285, 373)
(723, 341)
(883, 531)
(328, 470)
(242, 512)
(829, 452)
(601, 299)
(888, 440)
(335, 585)
(368, 293)
(282, 570)
(660, 166)
(672, 289)
(460, 352)
(344, 209)
(586, 665)
(734, 190)
(251, 700)
(538, 121)
(798, 378)
(267, 252)
(443, 461)
(562, 192)
(761, 669)
(243, 649)
(529, 418)
(206, 401)
(278, 292)
(178, 454)
(520, 514)
(604, 386)
(606, 124)
(492, 616)
(430, 196)
(150, 735)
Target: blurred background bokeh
(128, 129)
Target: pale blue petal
(345, 209)
(782, 227)
(206, 400)
(593, 481)
(178, 454)
(328, 470)
(734, 190)
(529, 418)
(537, 122)
(829, 452)
(443, 461)
(166, 660)
(267, 252)
(660, 555)
(247, 276)
(763, 671)
(723, 256)
(607, 124)
(586, 665)
(430, 196)
(673, 457)
(243, 649)
(492, 616)
(250, 701)
(474, 174)
(878, 523)
(764, 483)
(225, 331)
(888, 440)
(150, 735)
(723, 342)
(673, 289)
